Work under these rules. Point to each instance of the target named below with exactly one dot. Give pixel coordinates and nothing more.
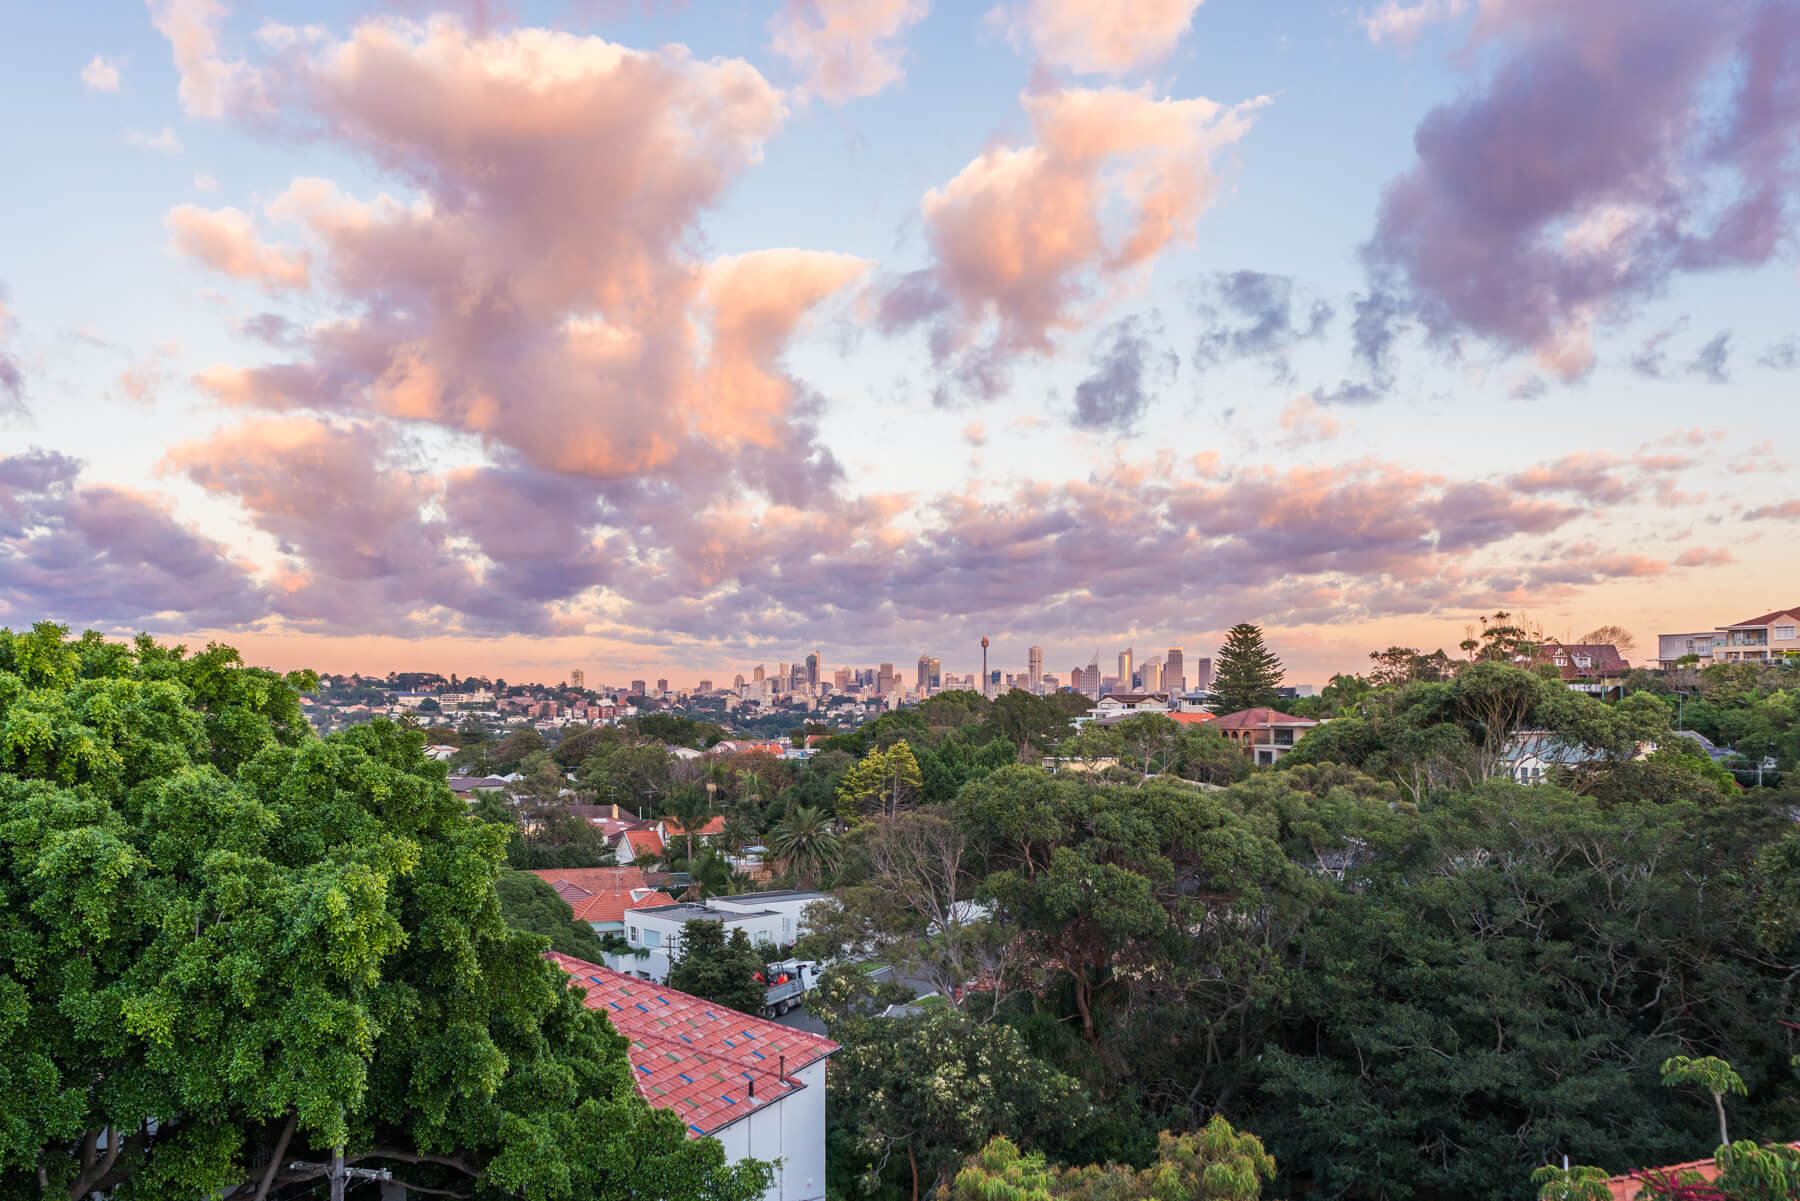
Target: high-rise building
(577, 678)
(1173, 680)
(637, 688)
(841, 679)
(662, 686)
(1034, 665)
(705, 687)
(812, 668)
(884, 679)
(924, 671)
(1125, 668)
(737, 682)
(757, 674)
(1202, 675)
(1150, 676)
(931, 674)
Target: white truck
(788, 982)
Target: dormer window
(1562, 660)
(1583, 661)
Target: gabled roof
(673, 829)
(1246, 719)
(643, 841)
(1765, 619)
(1603, 658)
(1187, 718)
(603, 894)
(711, 1065)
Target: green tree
(1582, 1182)
(690, 809)
(910, 1096)
(529, 903)
(225, 943)
(1216, 1163)
(883, 781)
(721, 969)
(805, 844)
(1247, 672)
(1712, 1074)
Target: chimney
(781, 1069)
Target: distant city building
(737, 682)
(1034, 669)
(812, 668)
(884, 679)
(1125, 668)
(840, 679)
(577, 678)
(1202, 675)
(1150, 676)
(637, 688)
(662, 686)
(931, 673)
(705, 686)
(1174, 681)
(758, 674)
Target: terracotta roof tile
(602, 894)
(709, 1064)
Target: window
(1583, 661)
(787, 928)
(1784, 633)
(653, 938)
(631, 934)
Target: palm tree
(805, 843)
(690, 809)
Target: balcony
(1747, 638)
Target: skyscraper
(1150, 676)
(662, 686)
(1034, 666)
(705, 687)
(577, 679)
(1125, 670)
(884, 679)
(1173, 679)
(812, 668)
(924, 671)
(637, 688)
(758, 674)
(1202, 675)
(931, 673)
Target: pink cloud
(1098, 37)
(210, 85)
(1024, 237)
(1704, 556)
(1617, 145)
(226, 241)
(1305, 421)
(846, 49)
(1781, 510)
(101, 74)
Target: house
(790, 903)
(757, 1087)
(1528, 756)
(440, 754)
(465, 785)
(1770, 636)
(600, 896)
(672, 830)
(637, 842)
(656, 931)
(1672, 648)
(1264, 734)
(1595, 668)
(1629, 1186)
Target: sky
(662, 339)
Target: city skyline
(890, 325)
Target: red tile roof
(710, 1064)
(644, 842)
(1245, 719)
(1766, 618)
(673, 829)
(1630, 1185)
(1604, 658)
(1193, 719)
(603, 894)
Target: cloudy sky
(665, 338)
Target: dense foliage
(719, 967)
(225, 942)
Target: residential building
(1592, 667)
(600, 896)
(1771, 636)
(1174, 680)
(1528, 756)
(790, 903)
(1034, 666)
(1264, 734)
(656, 932)
(632, 844)
(757, 1087)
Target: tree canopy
(1246, 673)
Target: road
(799, 1019)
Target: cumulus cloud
(1269, 323)
(1097, 37)
(141, 380)
(101, 74)
(1395, 21)
(210, 84)
(1127, 366)
(1616, 145)
(1304, 421)
(1713, 360)
(164, 142)
(94, 554)
(226, 241)
(1025, 239)
(846, 49)
(1783, 510)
